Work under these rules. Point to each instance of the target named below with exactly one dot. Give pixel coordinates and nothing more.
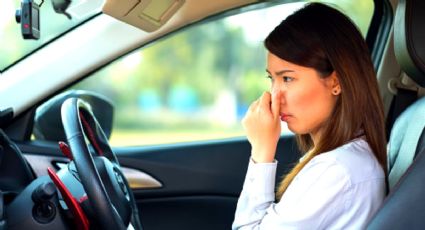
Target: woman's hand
(262, 127)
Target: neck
(315, 136)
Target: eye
(287, 79)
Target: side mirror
(48, 124)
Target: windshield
(14, 47)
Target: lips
(284, 117)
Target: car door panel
(200, 182)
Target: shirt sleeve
(316, 196)
(257, 194)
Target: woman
(324, 87)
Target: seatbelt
(402, 150)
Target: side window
(198, 83)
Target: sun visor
(148, 15)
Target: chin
(298, 130)
(293, 129)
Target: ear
(333, 83)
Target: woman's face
(306, 99)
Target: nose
(279, 87)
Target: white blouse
(339, 189)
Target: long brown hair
(322, 38)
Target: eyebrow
(281, 72)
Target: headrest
(409, 38)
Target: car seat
(404, 207)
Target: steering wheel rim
(79, 122)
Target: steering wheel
(108, 192)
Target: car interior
(61, 169)
(407, 139)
